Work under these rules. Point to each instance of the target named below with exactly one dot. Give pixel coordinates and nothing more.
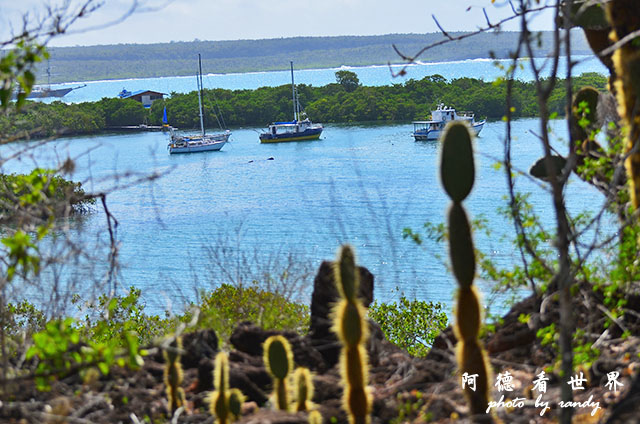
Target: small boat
(431, 130)
(202, 142)
(45, 92)
(296, 130)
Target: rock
(241, 378)
(627, 410)
(325, 295)
(249, 338)
(275, 417)
(205, 375)
(198, 345)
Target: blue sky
(186, 20)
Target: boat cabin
(289, 127)
(446, 114)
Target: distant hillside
(179, 58)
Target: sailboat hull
(193, 144)
(308, 134)
(46, 92)
(200, 142)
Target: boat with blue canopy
(301, 128)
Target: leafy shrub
(223, 308)
(410, 324)
(41, 193)
(115, 318)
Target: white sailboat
(202, 142)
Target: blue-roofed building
(146, 97)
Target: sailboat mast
(199, 78)
(293, 95)
(48, 75)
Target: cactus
(624, 16)
(315, 417)
(303, 389)
(173, 375)
(279, 362)
(457, 172)
(583, 121)
(219, 399)
(352, 330)
(236, 399)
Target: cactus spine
(458, 173)
(352, 330)
(279, 362)
(303, 388)
(624, 16)
(219, 399)
(173, 375)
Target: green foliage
(113, 319)
(17, 70)
(410, 324)
(348, 80)
(414, 99)
(59, 352)
(122, 112)
(23, 318)
(228, 305)
(42, 194)
(411, 406)
(22, 253)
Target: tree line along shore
(90, 63)
(345, 101)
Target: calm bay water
(358, 184)
(254, 204)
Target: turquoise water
(253, 209)
(358, 184)
(370, 75)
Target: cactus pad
(461, 250)
(467, 314)
(457, 169)
(347, 274)
(278, 357)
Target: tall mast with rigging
(199, 78)
(293, 95)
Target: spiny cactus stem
(354, 367)
(219, 400)
(304, 389)
(281, 394)
(347, 277)
(468, 315)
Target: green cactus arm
(457, 169)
